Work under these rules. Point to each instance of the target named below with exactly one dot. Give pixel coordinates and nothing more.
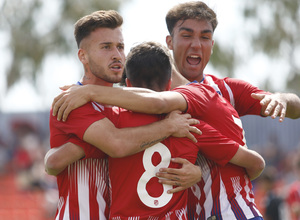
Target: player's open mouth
(116, 66)
(193, 59)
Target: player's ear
(169, 42)
(82, 56)
(212, 48)
(128, 83)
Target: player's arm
(131, 98)
(120, 142)
(250, 160)
(57, 159)
(279, 104)
(127, 141)
(184, 178)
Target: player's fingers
(61, 110)
(168, 172)
(195, 130)
(186, 115)
(270, 107)
(191, 137)
(277, 111)
(282, 115)
(170, 182)
(193, 121)
(179, 160)
(66, 112)
(257, 96)
(174, 113)
(265, 101)
(55, 105)
(176, 189)
(66, 87)
(59, 113)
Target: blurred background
(257, 41)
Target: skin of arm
(127, 141)
(111, 141)
(279, 104)
(57, 159)
(253, 163)
(135, 99)
(250, 160)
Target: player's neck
(95, 81)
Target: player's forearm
(53, 165)
(57, 159)
(138, 99)
(293, 106)
(129, 98)
(257, 166)
(253, 162)
(128, 141)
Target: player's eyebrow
(191, 30)
(186, 29)
(105, 43)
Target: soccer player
(83, 186)
(136, 194)
(191, 26)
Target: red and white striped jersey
(83, 192)
(129, 199)
(225, 192)
(206, 105)
(136, 194)
(237, 92)
(83, 185)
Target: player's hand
(272, 105)
(72, 97)
(182, 178)
(183, 125)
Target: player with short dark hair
(82, 143)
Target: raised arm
(131, 98)
(279, 104)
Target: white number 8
(150, 171)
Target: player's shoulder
(228, 80)
(193, 86)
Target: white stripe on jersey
(98, 107)
(208, 167)
(225, 206)
(83, 172)
(181, 214)
(216, 87)
(213, 84)
(83, 189)
(67, 212)
(230, 94)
